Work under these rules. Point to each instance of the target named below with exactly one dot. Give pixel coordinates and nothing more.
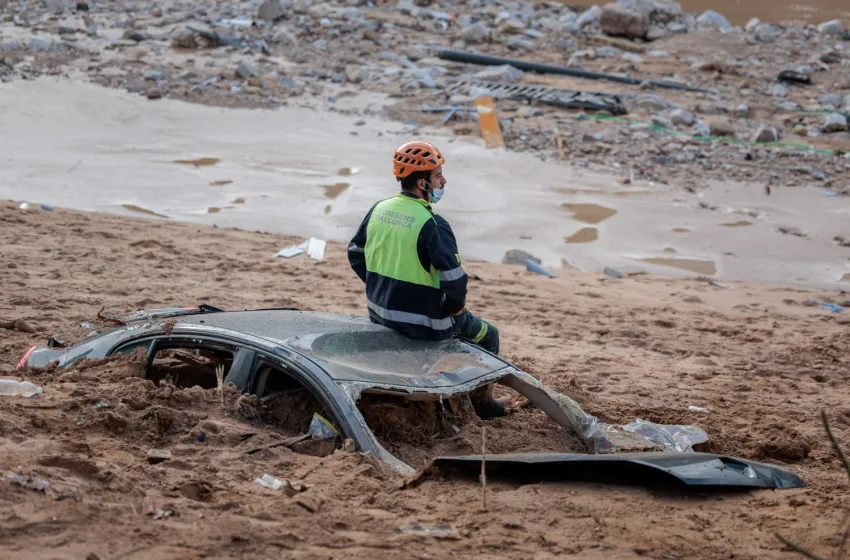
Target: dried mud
(760, 361)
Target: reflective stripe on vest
(411, 318)
(392, 236)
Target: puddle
(333, 191)
(740, 223)
(200, 162)
(584, 235)
(590, 213)
(140, 210)
(221, 183)
(213, 210)
(240, 200)
(692, 265)
(681, 230)
(670, 250)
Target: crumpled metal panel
(691, 469)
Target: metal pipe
(474, 58)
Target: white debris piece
(314, 247)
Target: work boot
(485, 405)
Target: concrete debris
(619, 21)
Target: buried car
(338, 366)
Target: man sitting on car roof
(408, 257)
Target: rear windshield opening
(417, 431)
(188, 367)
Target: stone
(40, 44)
(153, 93)
(244, 71)
(475, 33)
(156, 456)
(657, 32)
(355, 74)
(512, 26)
(777, 90)
(565, 44)
(752, 24)
(680, 117)
(658, 120)
(618, 21)
(589, 17)
(528, 111)
(834, 27)
(722, 128)
(677, 28)
(830, 100)
(743, 111)
(286, 39)
(700, 129)
(767, 33)
(56, 6)
(518, 256)
(800, 130)
(184, 39)
(608, 51)
(633, 57)
(835, 122)
(652, 103)
(504, 74)
(518, 43)
(765, 134)
(658, 11)
(271, 10)
(710, 18)
(67, 27)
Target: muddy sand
(761, 361)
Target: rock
(743, 111)
(680, 117)
(285, 38)
(158, 456)
(475, 33)
(657, 32)
(589, 17)
(835, 122)
(652, 103)
(67, 27)
(184, 39)
(710, 18)
(518, 43)
(608, 51)
(658, 11)
(800, 130)
(700, 129)
(658, 120)
(618, 21)
(505, 74)
(528, 111)
(831, 100)
(677, 28)
(767, 33)
(765, 134)
(722, 128)
(831, 57)
(244, 71)
(271, 10)
(777, 90)
(565, 44)
(512, 26)
(56, 6)
(752, 24)
(834, 27)
(355, 74)
(518, 256)
(40, 44)
(153, 93)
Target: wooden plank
(488, 120)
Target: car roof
(352, 348)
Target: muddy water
(90, 148)
(739, 12)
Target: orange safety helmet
(416, 156)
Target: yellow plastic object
(488, 119)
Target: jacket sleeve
(356, 249)
(445, 257)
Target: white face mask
(434, 195)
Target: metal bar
(474, 58)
